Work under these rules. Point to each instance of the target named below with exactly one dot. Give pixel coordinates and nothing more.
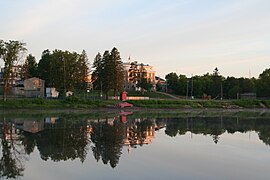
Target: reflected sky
(201, 149)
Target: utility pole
(187, 88)
(221, 91)
(65, 89)
(191, 94)
(101, 88)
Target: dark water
(219, 147)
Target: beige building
(133, 72)
(32, 87)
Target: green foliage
(64, 70)
(108, 72)
(69, 102)
(249, 103)
(201, 104)
(172, 81)
(145, 84)
(263, 84)
(10, 52)
(213, 85)
(29, 68)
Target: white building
(133, 72)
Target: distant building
(14, 78)
(248, 96)
(161, 84)
(132, 70)
(32, 87)
(51, 93)
(134, 135)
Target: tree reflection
(107, 141)
(67, 141)
(11, 162)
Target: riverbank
(76, 103)
(220, 104)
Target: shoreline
(104, 112)
(93, 106)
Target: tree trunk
(5, 90)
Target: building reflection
(61, 139)
(139, 132)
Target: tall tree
(172, 81)
(263, 84)
(108, 74)
(106, 77)
(82, 71)
(10, 52)
(98, 66)
(45, 68)
(118, 71)
(216, 85)
(29, 68)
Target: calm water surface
(125, 147)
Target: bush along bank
(224, 104)
(67, 103)
(77, 103)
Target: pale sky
(183, 36)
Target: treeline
(64, 70)
(217, 86)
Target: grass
(151, 95)
(226, 104)
(67, 103)
(78, 103)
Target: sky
(183, 36)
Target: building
(14, 75)
(161, 84)
(134, 70)
(32, 87)
(51, 93)
(14, 78)
(248, 96)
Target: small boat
(125, 113)
(124, 104)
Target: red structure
(123, 96)
(124, 104)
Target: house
(34, 87)
(51, 93)
(134, 70)
(161, 84)
(248, 96)
(69, 93)
(14, 77)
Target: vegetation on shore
(78, 103)
(225, 104)
(67, 103)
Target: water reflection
(61, 139)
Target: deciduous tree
(10, 52)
